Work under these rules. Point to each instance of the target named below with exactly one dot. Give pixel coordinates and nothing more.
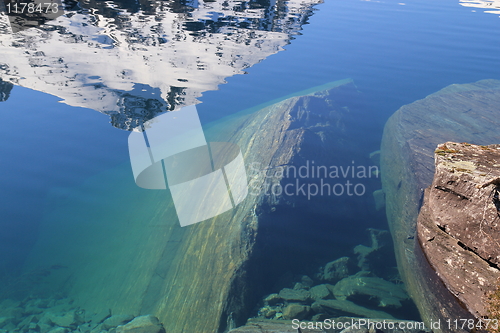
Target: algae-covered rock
(459, 113)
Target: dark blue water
(396, 53)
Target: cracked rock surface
(459, 223)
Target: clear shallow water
(395, 53)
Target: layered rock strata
(459, 224)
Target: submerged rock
(459, 223)
(376, 257)
(343, 307)
(320, 292)
(296, 311)
(142, 324)
(337, 270)
(100, 316)
(59, 330)
(460, 113)
(116, 320)
(384, 293)
(291, 295)
(273, 299)
(69, 320)
(379, 197)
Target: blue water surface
(395, 52)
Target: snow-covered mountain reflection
(491, 6)
(133, 60)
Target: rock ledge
(459, 223)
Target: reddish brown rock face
(459, 223)
(460, 112)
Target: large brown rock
(466, 112)
(459, 223)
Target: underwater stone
(59, 330)
(319, 292)
(85, 328)
(273, 299)
(385, 293)
(34, 306)
(100, 316)
(9, 327)
(355, 330)
(15, 313)
(4, 321)
(98, 329)
(33, 309)
(373, 258)
(338, 269)
(379, 197)
(25, 323)
(459, 113)
(306, 281)
(300, 295)
(267, 312)
(340, 307)
(116, 320)
(142, 324)
(296, 311)
(67, 320)
(44, 328)
(9, 303)
(299, 285)
(320, 317)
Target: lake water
(84, 80)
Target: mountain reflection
(5, 88)
(134, 59)
(492, 6)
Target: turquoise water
(57, 158)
